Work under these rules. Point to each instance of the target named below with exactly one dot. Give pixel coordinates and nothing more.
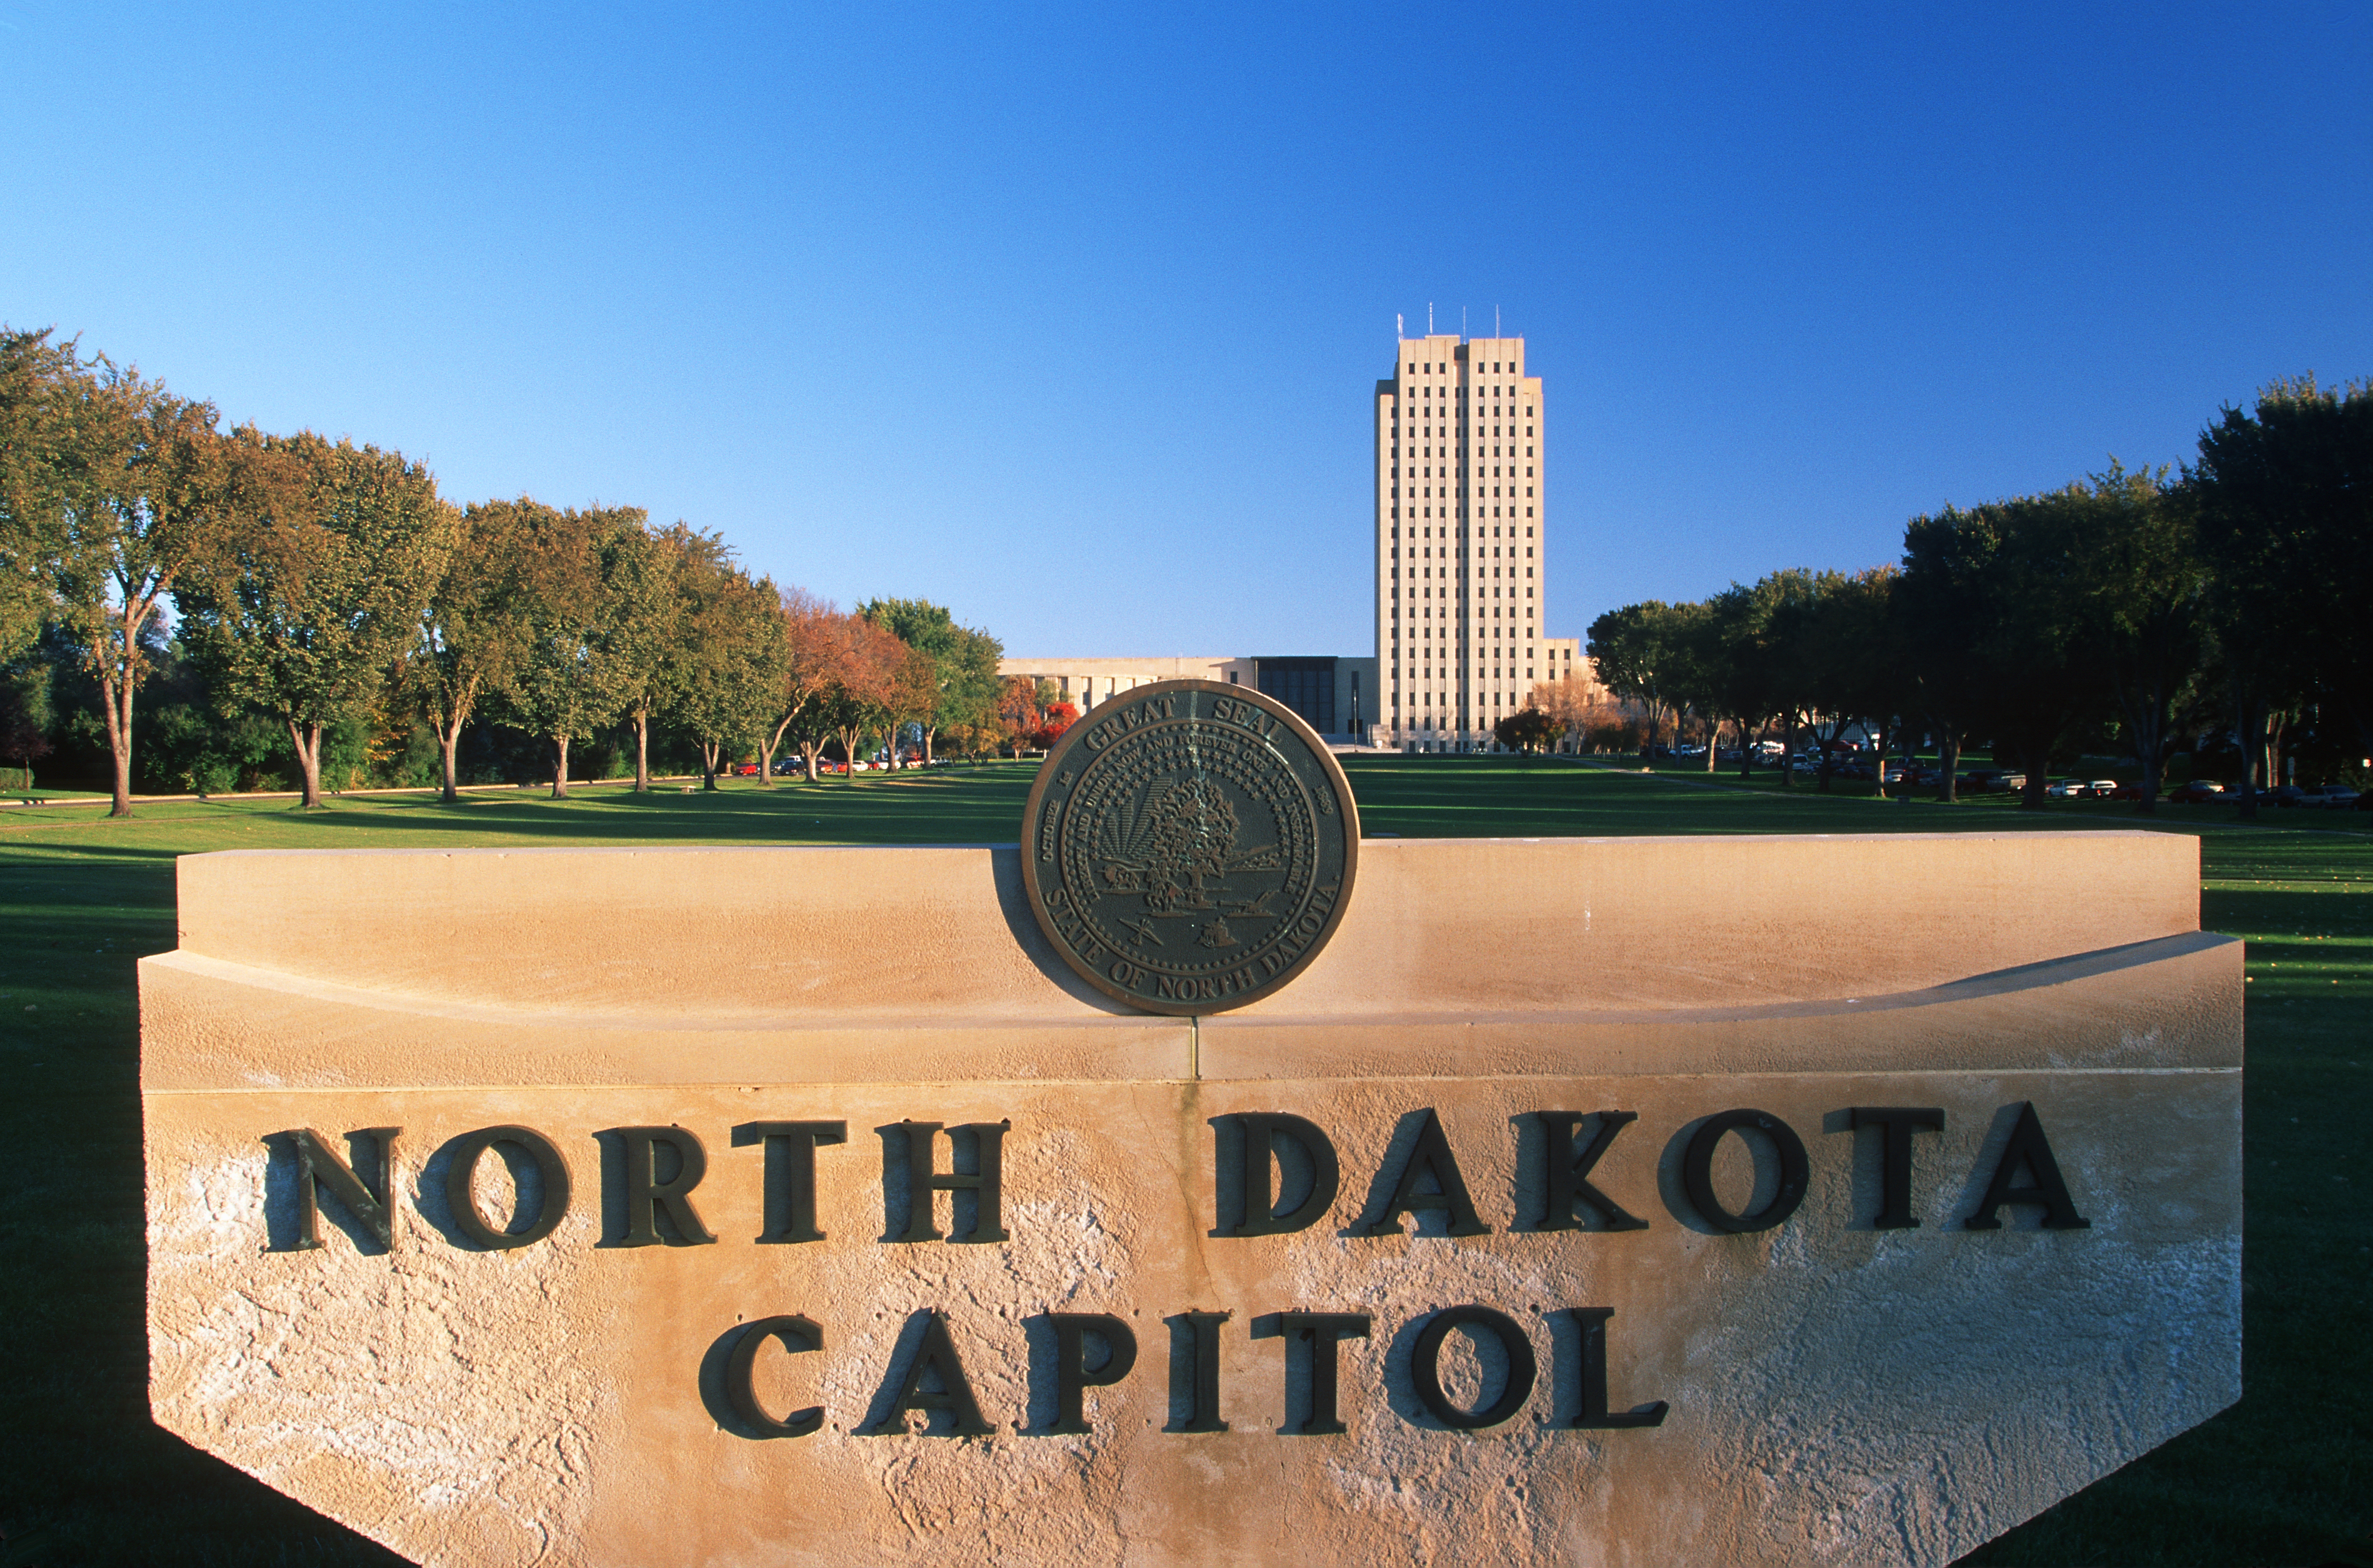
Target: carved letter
(1072, 1377)
(1323, 1331)
(1326, 1175)
(645, 1196)
(1566, 1171)
(1595, 1416)
(2044, 1189)
(317, 1163)
(987, 1180)
(1697, 1171)
(1205, 1404)
(1897, 1123)
(1431, 1155)
(797, 1334)
(935, 1354)
(789, 1153)
(1425, 1367)
(462, 1165)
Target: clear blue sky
(1069, 319)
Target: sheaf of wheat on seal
(1189, 846)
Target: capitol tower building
(1460, 544)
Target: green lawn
(2284, 1478)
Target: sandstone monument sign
(1579, 1200)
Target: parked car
(2065, 789)
(2126, 793)
(2198, 792)
(746, 770)
(2286, 796)
(2331, 795)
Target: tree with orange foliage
(865, 683)
(1019, 714)
(1055, 717)
(807, 642)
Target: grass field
(2285, 1477)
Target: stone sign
(1586, 1201)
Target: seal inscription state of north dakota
(1189, 846)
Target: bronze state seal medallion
(1189, 846)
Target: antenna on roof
(1400, 330)
(1495, 320)
(1429, 318)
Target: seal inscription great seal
(1189, 846)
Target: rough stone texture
(1839, 1394)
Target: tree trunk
(449, 740)
(2253, 725)
(115, 695)
(930, 732)
(809, 751)
(848, 750)
(1713, 743)
(643, 752)
(1949, 759)
(307, 738)
(708, 750)
(1788, 752)
(560, 767)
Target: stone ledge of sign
(22, 801)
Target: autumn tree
(964, 662)
(470, 639)
(1054, 718)
(812, 637)
(1019, 714)
(587, 583)
(307, 604)
(866, 685)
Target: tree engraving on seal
(1190, 846)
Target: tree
(2149, 605)
(1528, 729)
(2285, 495)
(814, 637)
(1020, 715)
(1644, 653)
(37, 379)
(306, 605)
(588, 583)
(1860, 667)
(963, 662)
(2006, 581)
(866, 685)
(111, 487)
(25, 715)
(725, 673)
(654, 622)
(1054, 719)
(1787, 653)
(470, 641)
(1728, 660)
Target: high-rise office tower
(1460, 553)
